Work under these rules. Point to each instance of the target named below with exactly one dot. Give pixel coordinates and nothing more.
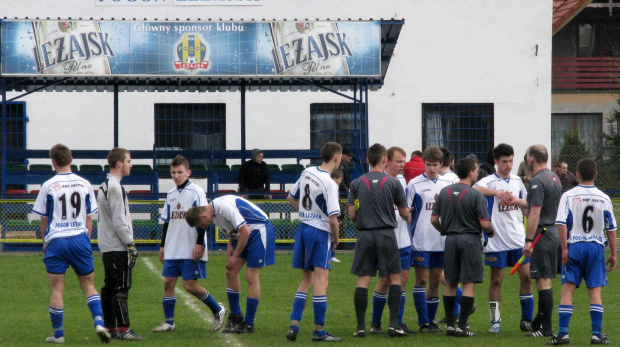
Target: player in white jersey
(396, 157)
(315, 196)
(447, 165)
(427, 244)
(585, 213)
(183, 249)
(66, 203)
(251, 239)
(506, 196)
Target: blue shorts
(312, 248)
(186, 268)
(504, 259)
(586, 260)
(429, 260)
(261, 247)
(74, 251)
(405, 258)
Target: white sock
(494, 311)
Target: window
(16, 129)
(589, 127)
(190, 126)
(339, 123)
(462, 128)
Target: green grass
(24, 298)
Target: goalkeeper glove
(132, 252)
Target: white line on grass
(195, 305)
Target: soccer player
(315, 196)
(66, 203)
(251, 240)
(376, 194)
(506, 196)
(447, 164)
(463, 212)
(542, 199)
(394, 168)
(183, 248)
(117, 246)
(427, 245)
(585, 213)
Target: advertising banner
(165, 48)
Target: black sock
(394, 294)
(545, 305)
(467, 302)
(448, 306)
(360, 300)
(537, 320)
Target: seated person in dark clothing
(254, 176)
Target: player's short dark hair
(503, 150)
(539, 153)
(394, 149)
(464, 166)
(117, 154)
(336, 174)
(61, 154)
(330, 150)
(375, 153)
(433, 154)
(192, 215)
(180, 160)
(447, 156)
(587, 169)
(416, 153)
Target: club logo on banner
(192, 54)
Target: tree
(572, 150)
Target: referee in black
(463, 212)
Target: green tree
(572, 150)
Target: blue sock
(401, 312)
(378, 304)
(527, 306)
(169, 303)
(432, 305)
(233, 301)
(596, 314)
(565, 312)
(56, 316)
(419, 301)
(211, 303)
(457, 304)
(94, 304)
(250, 310)
(298, 306)
(319, 333)
(319, 302)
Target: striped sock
(596, 314)
(378, 304)
(169, 302)
(565, 312)
(57, 315)
(208, 300)
(527, 306)
(233, 301)
(298, 306)
(419, 301)
(319, 302)
(432, 305)
(94, 304)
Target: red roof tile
(565, 10)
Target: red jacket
(413, 168)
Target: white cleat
(52, 339)
(103, 333)
(163, 327)
(218, 318)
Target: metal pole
(115, 115)
(243, 124)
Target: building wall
(448, 51)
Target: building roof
(565, 10)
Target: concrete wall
(472, 51)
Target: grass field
(24, 298)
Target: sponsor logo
(178, 206)
(192, 54)
(535, 186)
(576, 200)
(507, 208)
(56, 187)
(491, 258)
(419, 258)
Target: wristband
(529, 240)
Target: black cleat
(291, 335)
(595, 340)
(407, 330)
(526, 325)
(555, 341)
(396, 332)
(129, 335)
(427, 329)
(375, 328)
(434, 326)
(233, 320)
(450, 331)
(361, 332)
(243, 328)
(326, 338)
(464, 333)
(539, 333)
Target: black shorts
(544, 260)
(463, 259)
(117, 273)
(376, 250)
